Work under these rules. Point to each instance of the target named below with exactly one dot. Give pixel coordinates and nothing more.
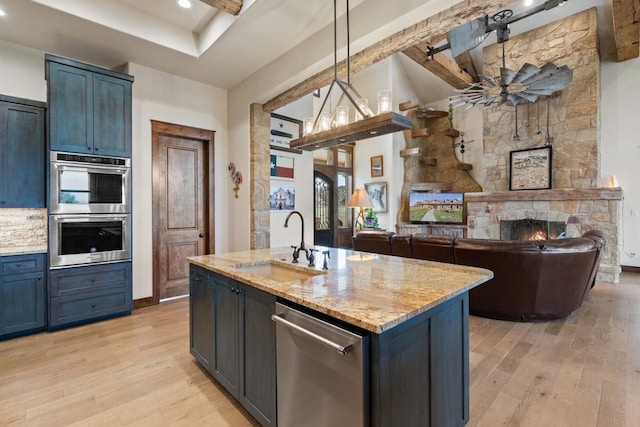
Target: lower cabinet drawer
(21, 263)
(73, 280)
(88, 306)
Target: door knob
(201, 234)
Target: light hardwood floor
(136, 370)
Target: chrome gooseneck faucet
(296, 251)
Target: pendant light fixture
(331, 129)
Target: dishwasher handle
(340, 349)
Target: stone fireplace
(531, 229)
(581, 210)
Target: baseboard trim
(143, 302)
(630, 268)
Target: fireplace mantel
(580, 209)
(563, 194)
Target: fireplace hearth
(531, 229)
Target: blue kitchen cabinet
(87, 293)
(89, 108)
(23, 285)
(201, 316)
(233, 337)
(22, 153)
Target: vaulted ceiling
(222, 42)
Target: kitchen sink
(278, 272)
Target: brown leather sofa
(533, 280)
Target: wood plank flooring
(136, 370)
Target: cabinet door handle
(233, 290)
(19, 265)
(198, 279)
(39, 278)
(93, 305)
(93, 279)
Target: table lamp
(360, 199)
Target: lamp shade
(360, 199)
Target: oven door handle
(115, 170)
(88, 217)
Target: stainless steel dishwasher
(320, 372)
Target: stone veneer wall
(574, 125)
(437, 163)
(573, 122)
(23, 227)
(260, 174)
(582, 210)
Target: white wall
(367, 83)
(165, 97)
(302, 182)
(620, 146)
(22, 72)
(157, 96)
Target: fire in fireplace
(531, 229)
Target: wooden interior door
(183, 211)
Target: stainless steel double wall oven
(89, 209)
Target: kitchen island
(413, 313)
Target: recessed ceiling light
(528, 2)
(185, 4)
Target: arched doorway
(322, 209)
(333, 174)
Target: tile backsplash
(23, 227)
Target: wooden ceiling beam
(433, 26)
(439, 65)
(626, 28)
(465, 62)
(230, 6)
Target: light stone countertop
(371, 291)
(23, 250)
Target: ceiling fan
(516, 87)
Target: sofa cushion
(433, 247)
(401, 245)
(378, 242)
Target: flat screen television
(433, 208)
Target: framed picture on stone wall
(530, 169)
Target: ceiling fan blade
(506, 76)
(542, 91)
(516, 99)
(489, 79)
(554, 82)
(467, 36)
(527, 96)
(525, 72)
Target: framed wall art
(378, 193)
(283, 130)
(530, 169)
(282, 198)
(282, 167)
(376, 167)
